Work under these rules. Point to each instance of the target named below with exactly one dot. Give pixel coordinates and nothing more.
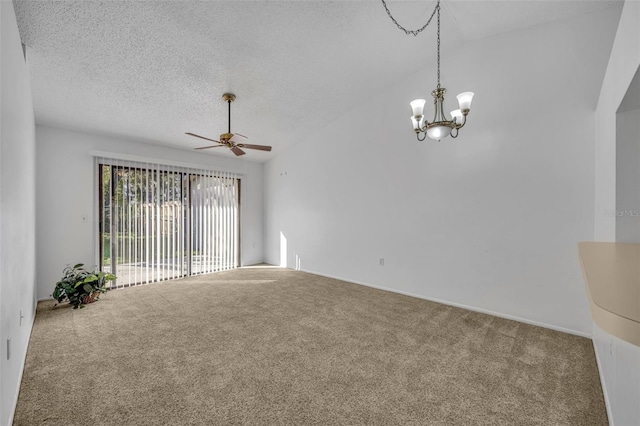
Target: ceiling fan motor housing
(225, 137)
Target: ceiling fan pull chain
(411, 32)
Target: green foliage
(78, 283)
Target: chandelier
(440, 127)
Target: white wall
(17, 211)
(628, 176)
(627, 213)
(623, 64)
(66, 190)
(490, 220)
(619, 361)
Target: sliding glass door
(159, 223)
(214, 218)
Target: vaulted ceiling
(153, 70)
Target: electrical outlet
(382, 261)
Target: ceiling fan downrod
(228, 98)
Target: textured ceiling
(153, 70)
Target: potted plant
(80, 286)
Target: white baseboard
(460, 305)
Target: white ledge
(612, 277)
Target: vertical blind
(160, 222)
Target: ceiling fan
(233, 141)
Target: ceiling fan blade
(260, 147)
(237, 137)
(237, 151)
(210, 146)
(202, 137)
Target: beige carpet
(268, 346)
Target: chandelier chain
(419, 30)
(438, 9)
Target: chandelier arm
(426, 124)
(438, 113)
(411, 32)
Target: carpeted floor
(268, 346)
